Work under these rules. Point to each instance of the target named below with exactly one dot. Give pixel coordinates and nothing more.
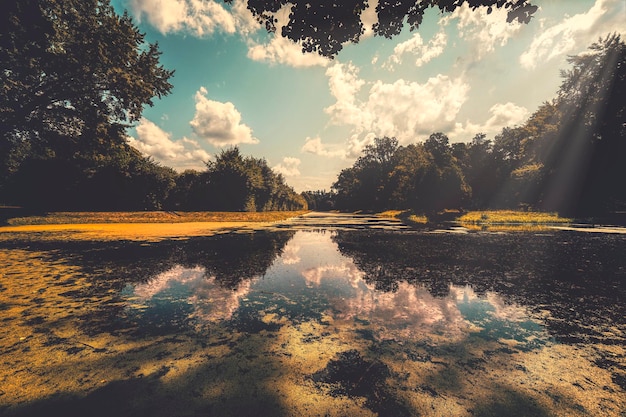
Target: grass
(495, 217)
(406, 216)
(476, 220)
(152, 217)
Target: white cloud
(179, 154)
(483, 31)
(502, 115)
(316, 147)
(197, 17)
(576, 32)
(219, 123)
(403, 109)
(280, 50)
(289, 167)
(415, 46)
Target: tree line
(75, 76)
(569, 156)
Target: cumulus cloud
(501, 115)
(197, 17)
(425, 52)
(574, 32)
(483, 31)
(219, 123)
(289, 167)
(180, 154)
(281, 50)
(316, 147)
(403, 109)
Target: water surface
(324, 315)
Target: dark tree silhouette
(586, 166)
(234, 183)
(364, 186)
(426, 177)
(74, 75)
(324, 26)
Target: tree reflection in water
(578, 278)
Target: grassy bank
(407, 216)
(488, 218)
(502, 217)
(151, 217)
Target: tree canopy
(74, 76)
(324, 26)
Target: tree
(74, 75)
(324, 26)
(443, 184)
(238, 183)
(320, 200)
(410, 164)
(592, 102)
(364, 186)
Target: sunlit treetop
(324, 26)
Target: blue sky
(461, 74)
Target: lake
(322, 315)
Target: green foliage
(364, 186)
(234, 183)
(75, 75)
(320, 200)
(592, 136)
(425, 177)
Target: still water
(311, 281)
(349, 318)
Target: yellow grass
(152, 217)
(414, 218)
(393, 214)
(142, 226)
(491, 217)
(404, 215)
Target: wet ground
(335, 315)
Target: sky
(462, 73)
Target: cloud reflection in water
(312, 273)
(211, 301)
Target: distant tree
(364, 186)
(347, 189)
(189, 192)
(426, 177)
(324, 26)
(443, 184)
(410, 165)
(238, 183)
(74, 76)
(320, 200)
(482, 170)
(136, 183)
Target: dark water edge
(571, 284)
